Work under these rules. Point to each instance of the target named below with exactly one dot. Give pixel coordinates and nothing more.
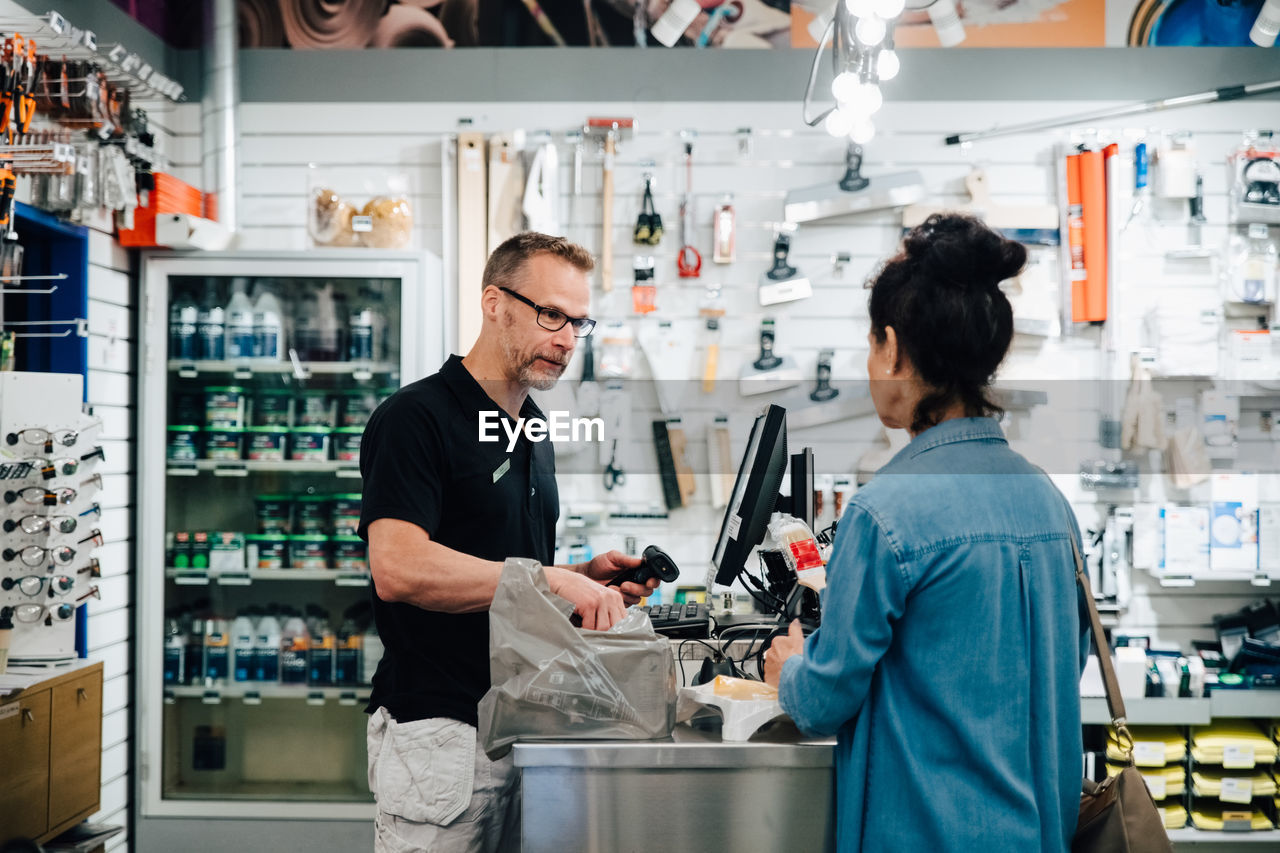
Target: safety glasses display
(34, 555)
(33, 524)
(33, 585)
(50, 468)
(39, 436)
(38, 495)
(49, 613)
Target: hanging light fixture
(860, 33)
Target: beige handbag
(1118, 815)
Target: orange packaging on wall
(1089, 304)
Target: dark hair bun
(959, 251)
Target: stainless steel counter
(690, 793)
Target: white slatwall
(354, 144)
(112, 373)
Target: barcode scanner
(654, 563)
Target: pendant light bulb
(839, 123)
(860, 8)
(866, 100)
(889, 9)
(845, 87)
(888, 64)
(862, 132)
(870, 31)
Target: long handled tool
(609, 131)
(1227, 93)
(606, 218)
(689, 261)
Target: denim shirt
(949, 658)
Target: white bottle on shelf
(295, 643)
(217, 650)
(268, 327)
(243, 635)
(266, 649)
(239, 320)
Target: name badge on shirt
(500, 470)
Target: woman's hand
(782, 647)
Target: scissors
(614, 475)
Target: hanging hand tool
(588, 389)
(610, 130)
(689, 261)
(30, 79)
(8, 84)
(606, 218)
(711, 309)
(648, 231)
(1140, 190)
(644, 291)
(723, 226)
(8, 187)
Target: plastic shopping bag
(552, 680)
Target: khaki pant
(437, 791)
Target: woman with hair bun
(953, 636)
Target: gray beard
(524, 371)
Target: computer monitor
(755, 495)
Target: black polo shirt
(423, 463)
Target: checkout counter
(690, 793)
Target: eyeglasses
(36, 495)
(36, 435)
(32, 585)
(553, 319)
(33, 524)
(50, 468)
(35, 555)
(63, 612)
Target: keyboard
(681, 621)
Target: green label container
(273, 513)
(317, 409)
(357, 407)
(267, 443)
(273, 408)
(224, 444)
(184, 443)
(267, 551)
(224, 407)
(310, 444)
(346, 514)
(309, 552)
(350, 554)
(312, 513)
(346, 443)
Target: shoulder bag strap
(1115, 702)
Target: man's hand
(598, 605)
(782, 647)
(607, 565)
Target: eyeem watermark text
(561, 426)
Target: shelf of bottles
(269, 645)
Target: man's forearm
(409, 567)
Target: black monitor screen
(755, 495)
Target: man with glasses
(441, 512)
